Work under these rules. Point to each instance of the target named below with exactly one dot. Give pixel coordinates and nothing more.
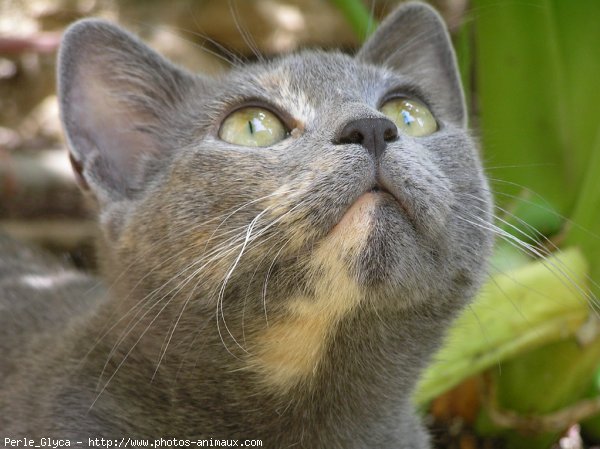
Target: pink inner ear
(114, 92)
(109, 130)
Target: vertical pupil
(250, 126)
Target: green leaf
(585, 229)
(359, 17)
(517, 311)
(519, 90)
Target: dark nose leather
(372, 133)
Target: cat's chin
(357, 220)
(380, 243)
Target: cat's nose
(372, 133)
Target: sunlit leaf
(517, 311)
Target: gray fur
(413, 40)
(170, 192)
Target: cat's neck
(362, 380)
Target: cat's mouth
(361, 211)
(380, 189)
(357, 221)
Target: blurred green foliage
(358, 16)
(531, 72)
(535, 66)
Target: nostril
(390, 134)
(351, 136)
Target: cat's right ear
(117, 99)
(414, 41)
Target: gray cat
(282, 248)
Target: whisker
(226, 55)
(216, 255)
(264, 290)
(249, 239)
(227, 214)
(540, 252)
(234, 264)
(228, 275)
(553, 267)
(246, 36)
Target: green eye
(410, 116)
(252, 127)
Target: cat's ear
(117, 100)
(414, 41)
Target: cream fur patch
(289, 351)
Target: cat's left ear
(414, 41)
(121, 106)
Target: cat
(282, 247)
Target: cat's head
(314, 175)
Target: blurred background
(521, 366)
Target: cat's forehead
(310, 85)
(321, 76)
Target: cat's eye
(252, 127)
(411, 117)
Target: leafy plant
(531, 71)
